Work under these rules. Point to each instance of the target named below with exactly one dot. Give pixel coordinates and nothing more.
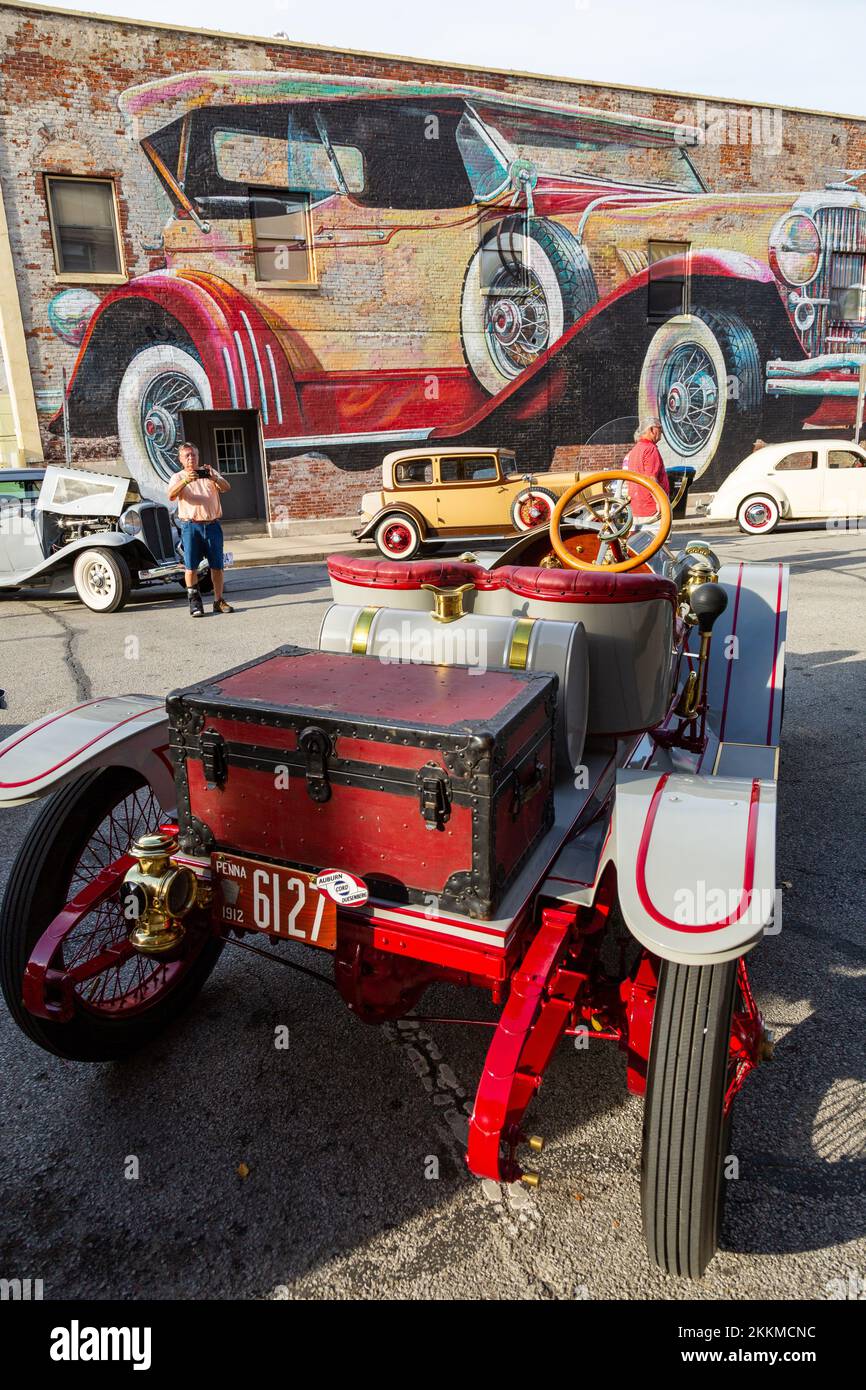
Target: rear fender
(120, 731)
(696, 862)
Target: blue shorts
(202, 540)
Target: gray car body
(27, 555)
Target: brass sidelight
(447, 603)
(157, 894)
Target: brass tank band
(518, 650)
(361, 631)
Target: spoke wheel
(398, 537)
(121, 999)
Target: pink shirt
(198, 500)
(645, 458)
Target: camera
(202, 472)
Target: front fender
(245, 362)
(137, 555)
(368, 530)
(118, 731)
(696, 862)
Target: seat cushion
(526, 581)
(369, 572)
(585, 586)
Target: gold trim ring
(361, 631)
(518, 647)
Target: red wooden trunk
(432, 783)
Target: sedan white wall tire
(102, 580)
(758, 515)
(398, 537)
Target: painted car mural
(373, 264)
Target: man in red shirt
(644, 458)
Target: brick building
(302, 258)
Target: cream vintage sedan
(793, 482)
(437, 494)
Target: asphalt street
(338, 1133)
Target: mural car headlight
(795, 249)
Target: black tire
(517, 521)
(37, 889)
(574, 285)
(692, 432)
(119, 580)
(685, 1133)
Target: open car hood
(79, 492)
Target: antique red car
(545, 780)
(368, 264)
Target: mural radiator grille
(843, 234)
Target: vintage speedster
(362, 262)
(77, 531)
(633, 863)
(797, 481)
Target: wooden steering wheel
(615, 517)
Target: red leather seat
(585, 586)
(526, 581)
(372, 573)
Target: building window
(84, 228)
(231, 455)
(282, 237)
(668, 280)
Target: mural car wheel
(398, 537)
(532, 507)
(102, 580)
(84, 831)
(758, 516)
(687, 1115)
(684, 381)
(524, 286)
(157, 386)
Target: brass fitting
(535, 1142)
(447, 603)
(530, 1179)
(157, 894)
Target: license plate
(268, 898)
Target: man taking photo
(197, 488)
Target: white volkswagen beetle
(793, 482)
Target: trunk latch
(315, 746)
(434, 795)
(213, 758)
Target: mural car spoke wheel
(161, 406)
(119, 998)
(689, 398)
(517, 323)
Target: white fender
(696, 862)
(120, 731)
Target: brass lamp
(157, 894)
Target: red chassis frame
(550, 981)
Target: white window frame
(67, 277)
